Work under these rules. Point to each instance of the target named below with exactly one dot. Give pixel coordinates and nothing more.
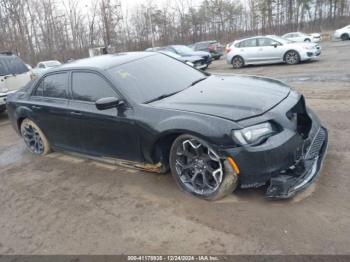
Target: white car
(44, 65)
(269, 50)
(302, 37)
(343, 33)
(14, 74)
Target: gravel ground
(62, 204)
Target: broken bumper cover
(288, 184)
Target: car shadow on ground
(3, 117)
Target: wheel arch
(160, 148)
(22, 113)
(233, 57)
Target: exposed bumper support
(286, 185)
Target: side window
(90, 87)
(40, 89)
(41, 66)
(54, 86)
(248, 43)
(267, 42)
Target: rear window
(12, 65)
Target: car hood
(230, 97)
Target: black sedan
(213, 132)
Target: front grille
(316, 144)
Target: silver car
(269, 50)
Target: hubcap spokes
(292, 58)
(32, 139)
(198, 167)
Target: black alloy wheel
(199, 170)
(34, 138)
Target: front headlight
(253, 134)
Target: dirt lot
(61, 204)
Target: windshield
(12, 65)
(52, 63)
(154, 76)
(182, 49)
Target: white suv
(343, 33)
(14, 74)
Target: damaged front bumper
(301, 175)
(288, 161)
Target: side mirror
(108, 103)
(275, 45)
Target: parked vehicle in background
(302, 37)
(316, 37)
(44, 65)
(213, 47)
(343, 33)
(14, 74)
(185, 51)
(215, 133)
(268, 50)
(195, 61)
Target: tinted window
(40, 89)
(10, 64)
(54, 86)
(266, 42)
(153, 76)
(248, 43)
(90, 87)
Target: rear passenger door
(102, 133)
(248, 49)
(49, 102)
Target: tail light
(211, 47)
(228, 49)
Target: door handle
(36, 107)
(75, 113)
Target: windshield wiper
(161, 97)
(197, 81)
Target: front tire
(34, 138)
(292, 57)
(345, 37)
(237, 62)
(198, 170)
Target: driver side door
(269, 50)
(109, 133)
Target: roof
(107, 61)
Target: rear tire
(237, 62)
(198, 170)
(34, 138)
(292, 57)
(345, 37)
